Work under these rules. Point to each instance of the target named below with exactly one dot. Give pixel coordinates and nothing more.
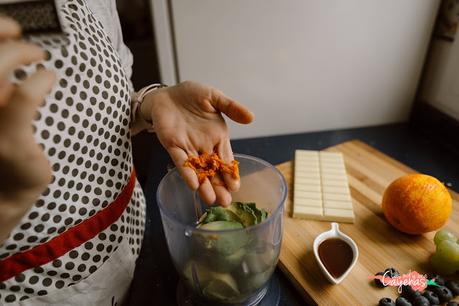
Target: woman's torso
(83, 127)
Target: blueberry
(386, 302)
(432, 297)
(453, 286)
(421, 301)
(409, 293)
(379, 283)
(438, 279)
(452, 303)
(443, 293)
(391, 272)
(401, 301)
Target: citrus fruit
(416, 204)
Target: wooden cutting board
(380, 246)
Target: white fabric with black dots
(83, 127)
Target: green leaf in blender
(260, 213)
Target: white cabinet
(300, 65)
(440, 87)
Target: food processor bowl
(228, 266)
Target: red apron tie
(70, 239)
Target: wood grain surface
(380, 245)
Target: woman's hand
(188, 120)
(25, 171)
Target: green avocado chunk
(244, 212)
(222, 262)
(221, 225)
(221, 289)
(214, 284)
(228, 260)
(225, 243)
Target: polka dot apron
(79, 242)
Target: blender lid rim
(253, 227)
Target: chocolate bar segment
(321, 190)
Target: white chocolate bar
(305, 187)
(336, 204)
(310, 202)
(335, 189)
(307, 212)
(321, 189)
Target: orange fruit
(416, 204)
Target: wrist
(142, 107)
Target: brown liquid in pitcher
(336, 255)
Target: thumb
(9, 28)
(233, 109)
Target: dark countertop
(155, 279)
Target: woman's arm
(24, 169)
(188, 120)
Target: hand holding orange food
(209, 165)
(188, 121)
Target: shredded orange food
(208, 165)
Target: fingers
(6, 90)
(12, 55)
(16, 53)
(189, 176)
(214, 191)
(222, 195)
(209, 192)
(234, 110)
(9, 28)
(30, 94)
(206, 192)
(226, 153)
